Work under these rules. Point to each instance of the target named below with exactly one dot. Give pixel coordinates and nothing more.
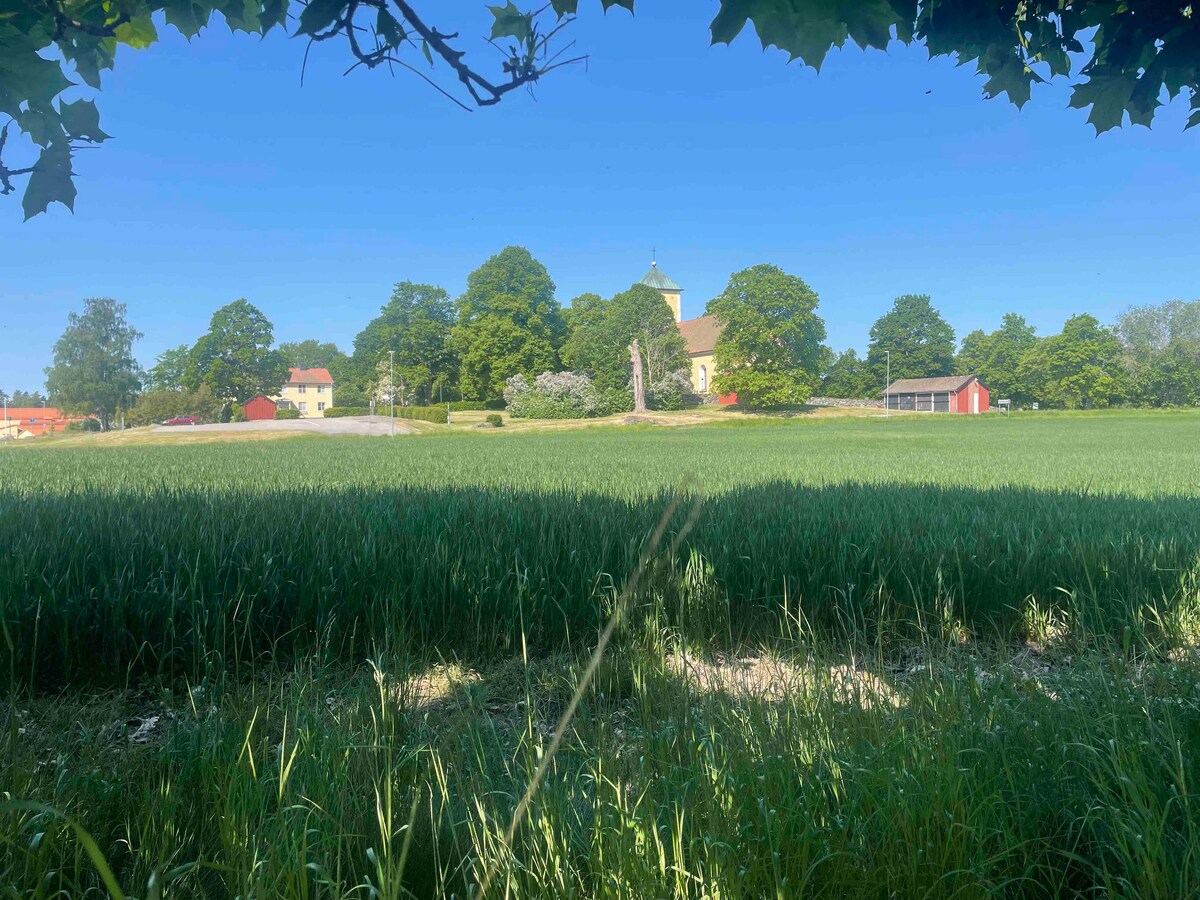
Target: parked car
(183, 420)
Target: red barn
(259, 408)
(953, 393)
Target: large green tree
(996, 357)
(1080, 368)
(920, 340)
(848, 375)
(508, 324)
(1161, 345)
(314, 354)
(234, 358)
(770, 351)
(415, 323)
(24, 398)
(94, 372)
(170, 369)
(1121, 57)
(598, 343)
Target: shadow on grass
(109, 587)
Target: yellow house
(700, 334)
(308, 390)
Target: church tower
(670, 291)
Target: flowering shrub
(673, 391)
(553, 395)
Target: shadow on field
(110, 586)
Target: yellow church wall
(705, 360)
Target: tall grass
(332, 669)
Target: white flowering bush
(672, 391)
(553, 395)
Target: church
(700, 334)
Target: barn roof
(700, 334)
(937, 385)
(309, 376)
(659, 280)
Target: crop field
(920, 657)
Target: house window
(320, 388)
(321, 406)
(303, 407)
(302, 389)
(703, 379)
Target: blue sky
(884, 174)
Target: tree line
(426, 347)
(1149, 357)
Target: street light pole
(392, 386)
(887, 399)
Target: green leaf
(187, 16)
(27, 78)
(511, 22)
(42, 124)
(428, 53)
(1107, 95)
(274, 12)
(90, 54)
(389, 29)
(319, 15)
(50, 181)
(81, 120)
(138, 33)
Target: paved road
(368, 425)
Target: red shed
(259, 408)
(953, 393)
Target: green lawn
(908, 657)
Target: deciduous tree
(996, 357)
(1161, 345)
(94, 372)
(848, 375)
(313, 354)
(1081, 368)
(771, 350)
(169, 370)
(415, 323)
(604, 329)
(234, 359)
(508, 324)
(920, 340)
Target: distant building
(700, 334)
(21, 421)
(308, 390)
(259, 408)
(951, 393)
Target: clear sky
(884, 174)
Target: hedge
(287, 414)
(436, 414)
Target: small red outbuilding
(953, 393)
(259, 408)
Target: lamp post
(392, 387)
(887, 401)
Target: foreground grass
(916, 658)
(793, 772)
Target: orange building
(35, 420)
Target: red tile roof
(37, 419)
(309, 376)
(700, 334)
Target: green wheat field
(849, 657)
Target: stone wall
(845, 401)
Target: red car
(183, 420)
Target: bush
(287, 414)
(495, 420)
(465, 405)
(237, 413)
(88, 424)
(613, 401)
(553, 395)
(436, 414)
(153, 407)
(337, 412)
(671, 392)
